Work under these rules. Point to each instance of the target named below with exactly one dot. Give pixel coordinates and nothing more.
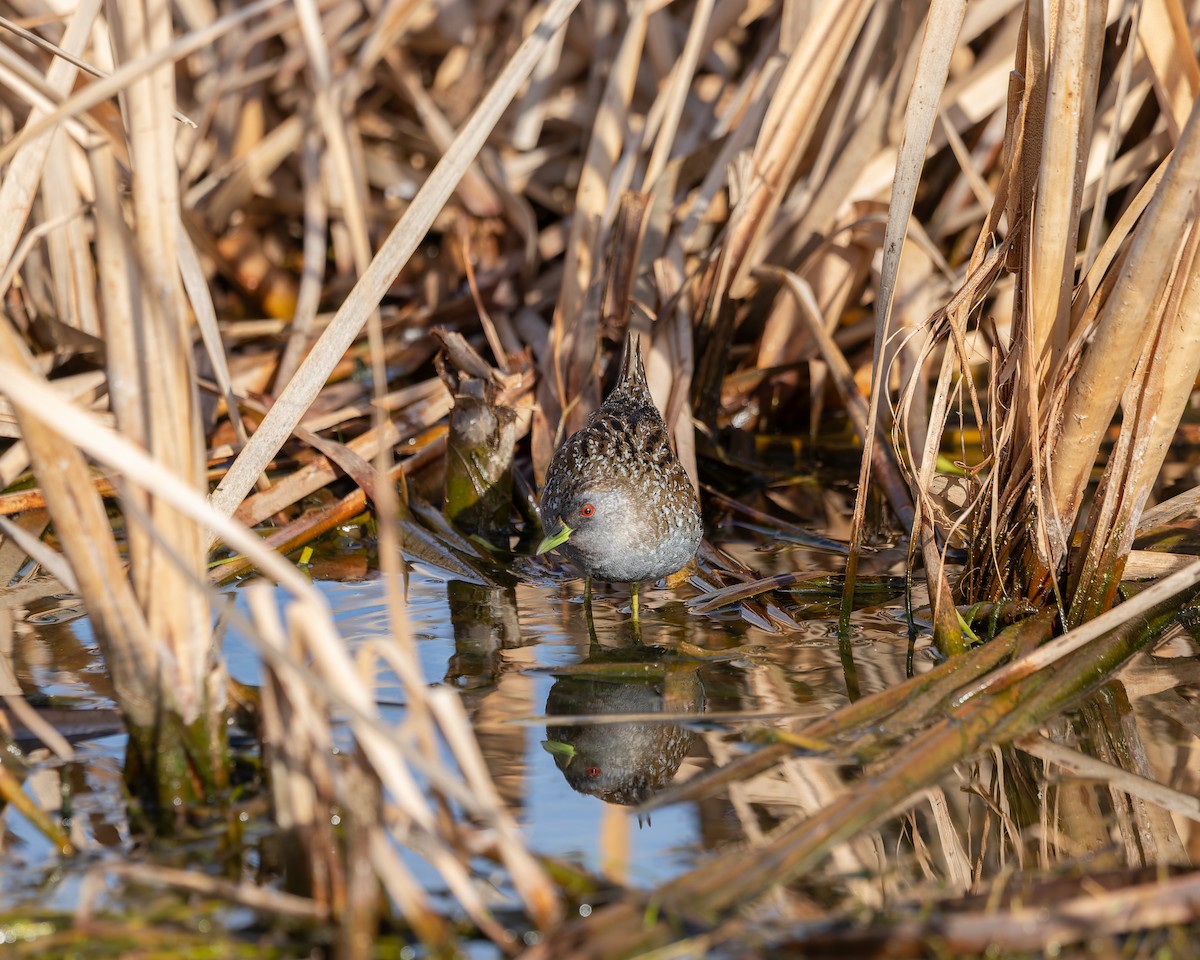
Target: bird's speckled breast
(652, 525)
(647, 517)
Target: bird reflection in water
(624, 761)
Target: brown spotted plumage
(617, 501)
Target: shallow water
(563, 704)
(516, 655)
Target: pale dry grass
(1007, 189)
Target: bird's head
(590, 522)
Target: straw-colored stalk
(310, 667)
(154, 401)
(1056, 384)
(964, 715)
(152, 621)
(392, 255)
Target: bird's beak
(558, 748)
(555, 540)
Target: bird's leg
(587, 605)
(633, 596)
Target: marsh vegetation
(294, 291)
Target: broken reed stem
(1001, 714)
(12, 793)
(942, 24)
(821, 219)
(407, 234)
(896, 709)
(96, 93)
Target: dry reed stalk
(308, 295)
(534, 887)
(309, 622)
(271, 902)
(1154, 401)
(1163, 32)
(856, 404)
(1134, 784)
(17, 710)
(941, 30)
(298, 751)
(200, 297)
(1121, 326)
(572, 390)
(1070, 98)
(132, 644)
(19, 188)
(1060, 374)
(24, 540)
(149, 360)
(921, 463)
(1148, 829)
(33, 524)
(320, 472)
(387, 762)
(103, 89)
(86, 535)
(13, 795)
(787, 129)
(1023, 701)
(1150, 907)
(312, 524)
(388, 260)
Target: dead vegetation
(230, 231)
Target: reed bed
(235, 237)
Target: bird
(616, 500)
(623, 762)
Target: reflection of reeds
(939, 723)
(308, 782)
(1071, 351)
(312, 674)
(1009, 188)
(152, 622)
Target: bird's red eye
(593, 772)
(587, 510)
